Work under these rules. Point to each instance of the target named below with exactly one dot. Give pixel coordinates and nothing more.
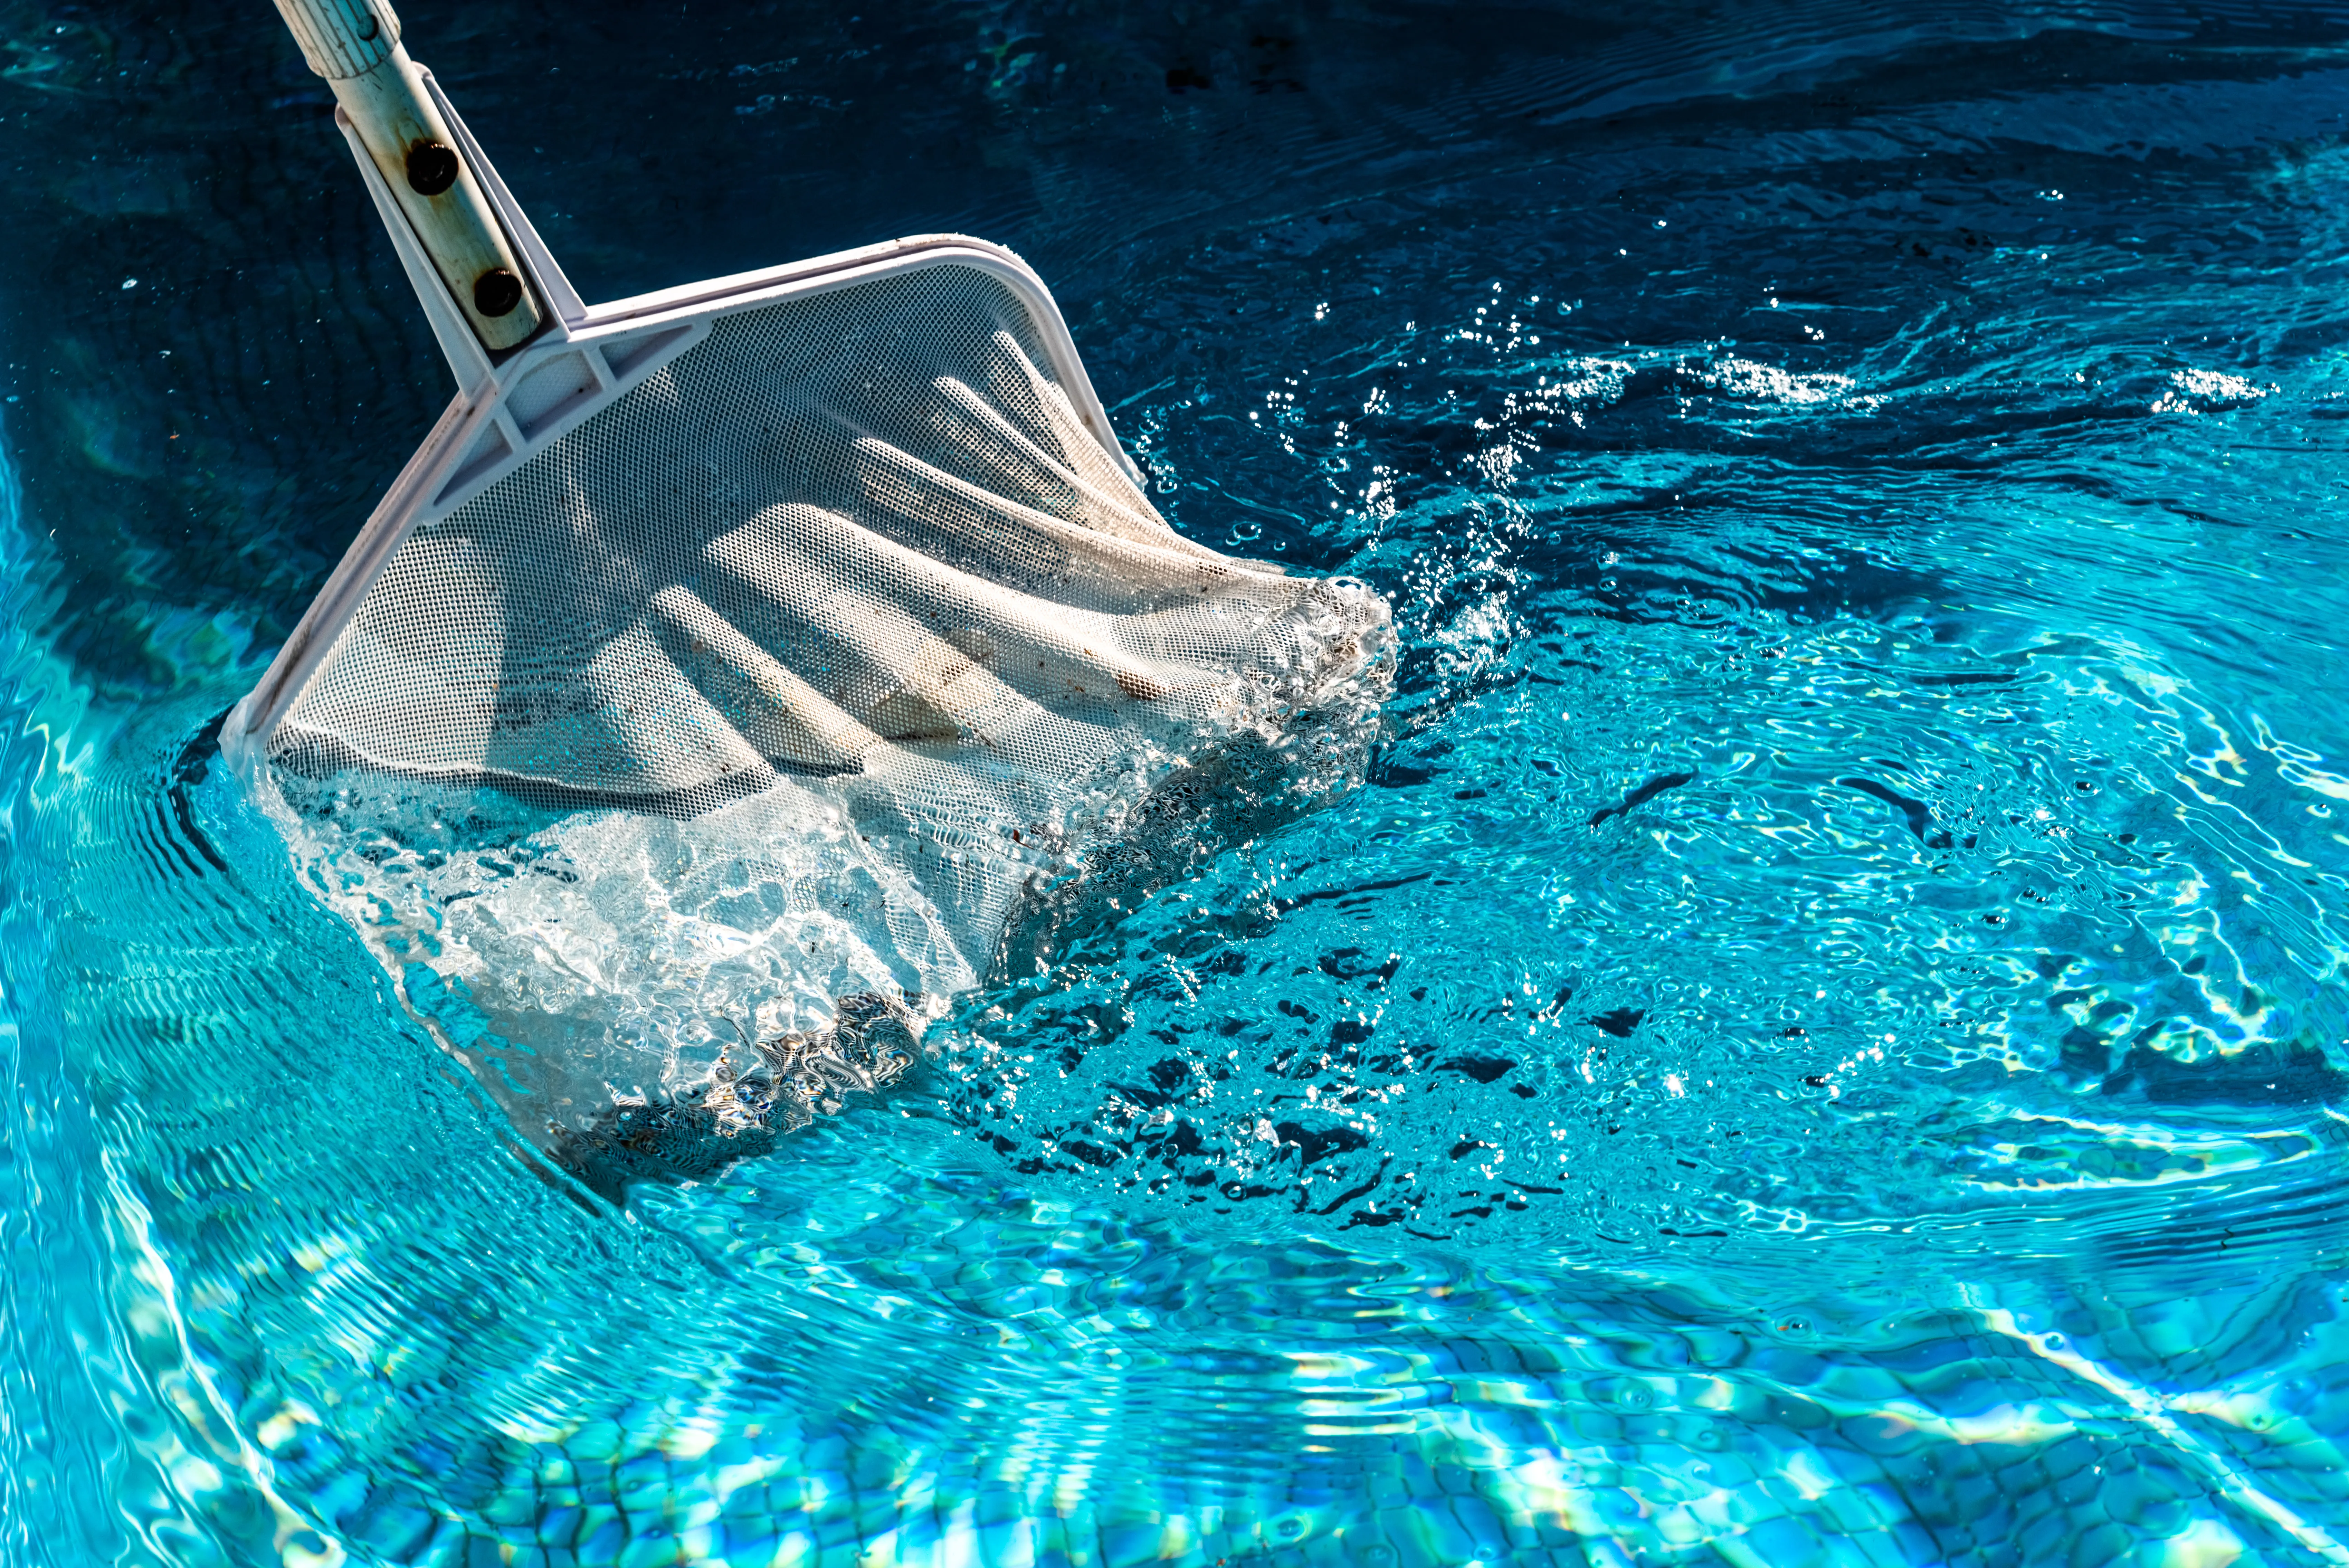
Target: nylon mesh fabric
(848, 596)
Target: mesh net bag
(776, 687)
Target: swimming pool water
(1822, 1039)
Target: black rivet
(496, 291)
(432, 168)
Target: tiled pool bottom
(1643, 1433)
(356, 1329)
(1644, 1443)
(1820, 1041)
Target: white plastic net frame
(841, 519)
(837, 570)
(523, 405)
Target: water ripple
(1822, 1035)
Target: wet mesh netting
(850, 572)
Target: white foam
(2207, 392)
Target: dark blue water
(1822, 1040)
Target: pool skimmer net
(858, 523)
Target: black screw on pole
(432, 168)
(496, 291)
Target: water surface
(1820, 1040)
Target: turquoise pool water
(1822, 1040)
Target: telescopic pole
(355, 45)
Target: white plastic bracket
(467, 361)
(529, 249)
